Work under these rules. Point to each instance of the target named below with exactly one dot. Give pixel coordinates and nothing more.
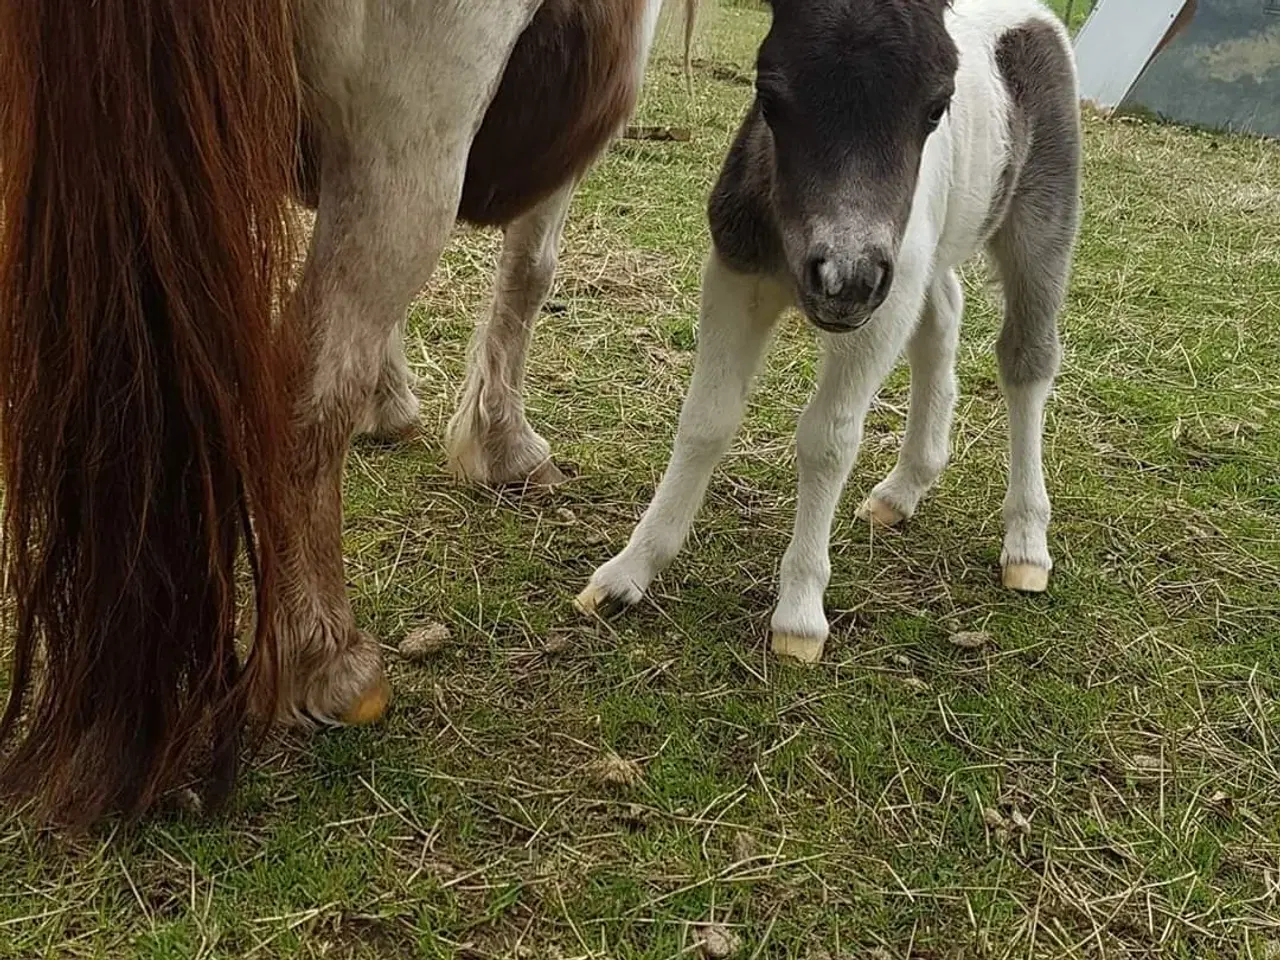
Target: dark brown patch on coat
(569, 87)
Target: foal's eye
(936, 113)
(770, 94)
(768, 106)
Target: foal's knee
(824, 442)
(706, 435)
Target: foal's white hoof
(598, 600)
(878, 513)
(589, 600)
(804, 649)
(1026, 578)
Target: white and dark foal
(889, 141)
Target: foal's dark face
(850, 91)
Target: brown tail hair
(146, 153)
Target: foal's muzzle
(839, 293)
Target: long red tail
(146, 153)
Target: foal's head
(850, 91)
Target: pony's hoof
(394, 435)
(878, 513)
(546, 475)
(1026, 578)
(370, 705)
(803, 649)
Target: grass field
(1100, 778)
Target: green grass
(1101, 779)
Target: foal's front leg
(489, 439)
(926, 448)
(738, 314)
(827, 441)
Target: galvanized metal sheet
(1116, 43)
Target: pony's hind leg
(393, 411)
(360, 275)
(927, 445)
(489, 439)
(388, 198)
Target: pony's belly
(569, 87)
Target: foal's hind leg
(489, 439)
(1034, 260)
(926, 448)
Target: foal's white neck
(962, 164)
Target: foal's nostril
(883, 281)
(872, 277)
(824, 276)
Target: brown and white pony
(166, 425)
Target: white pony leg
(1025, 558)
(394, 409)
(489, 439)
(738, 314)
(827, 442)
(927, 445)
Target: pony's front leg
(738, 313)
(489, 439)
(827, 441)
